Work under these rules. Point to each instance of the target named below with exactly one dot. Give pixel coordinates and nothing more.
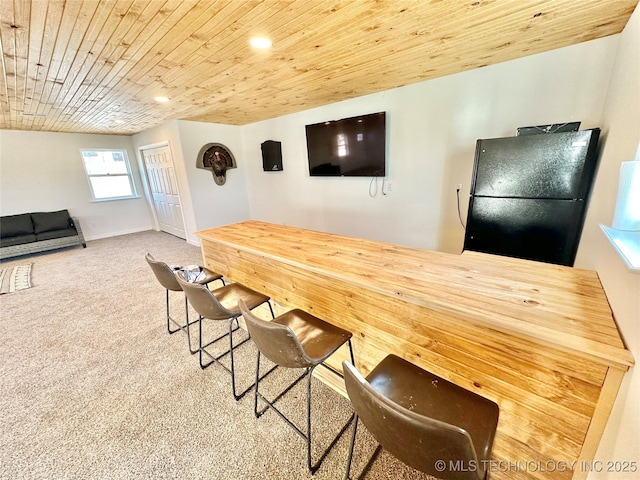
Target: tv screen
(352, 147)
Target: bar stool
(295, 339)
(221, 304)
(425, 421)
(165, 274)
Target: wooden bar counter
(538, 339)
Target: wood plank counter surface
(538, 339)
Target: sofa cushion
(17, 240)
(50, 221)
(67, 232)
(14, 225)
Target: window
(109, 174)
(627, 214)
(624, 233)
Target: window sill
(627, 244)
(114, 199)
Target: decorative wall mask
(217, 158)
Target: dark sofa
(38, 232)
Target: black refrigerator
(529, 195)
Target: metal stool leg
(313, 468)
(202, 348)
(186, 316)
(169, 318)
(351, 447)
(180, 327)
(270, 404)
(213, 359)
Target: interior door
(164, 189)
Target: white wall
(621, 126)
(42, 171)
(433, 127)
(214, 204)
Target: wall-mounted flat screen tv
(351, 147)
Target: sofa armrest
(75, 223)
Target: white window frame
(128, 174)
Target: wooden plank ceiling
(95, 66)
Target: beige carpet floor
(93, 387)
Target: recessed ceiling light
(161, 99)
(260, 42)
(118, 121)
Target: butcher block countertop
(556, 306)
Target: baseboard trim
(116, 234)
(195, 242)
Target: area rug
(16, 278)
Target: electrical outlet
(459, 187)
(388, 187)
